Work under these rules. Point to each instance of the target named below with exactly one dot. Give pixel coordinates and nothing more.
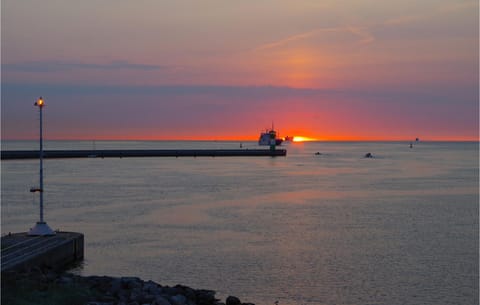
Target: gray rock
(161, 301)
(65, 280)
(123, 296)
(171, 290)
(231, 300)
(135, 294)
(188, 292)
(101, 283)
(107, 299)
(178, 300)
(115, 286)
(205, 296)
(146, 298)
(152, 288)
(131, 282)
(51, 276)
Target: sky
(226, 70)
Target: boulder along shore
(51, 287)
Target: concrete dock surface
(19, 251)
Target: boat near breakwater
(267, 136)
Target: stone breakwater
(106, 290)
(133, 291)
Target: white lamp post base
(42, 229)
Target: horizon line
(236, 140)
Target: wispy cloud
(79, 89)
(362, 33)
(436, 12)
(244, 93)
(289, 39)
(56, 66)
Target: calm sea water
(335, 228)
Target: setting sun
(302, 139)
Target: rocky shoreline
(36, 285)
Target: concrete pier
(119, 153)
(19, 251)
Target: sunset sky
(189, 69)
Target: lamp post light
(41, 227)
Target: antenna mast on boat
(41, 227)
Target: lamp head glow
(39, 102)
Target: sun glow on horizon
(303, 139)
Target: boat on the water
(267, 136)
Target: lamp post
(41, 227)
